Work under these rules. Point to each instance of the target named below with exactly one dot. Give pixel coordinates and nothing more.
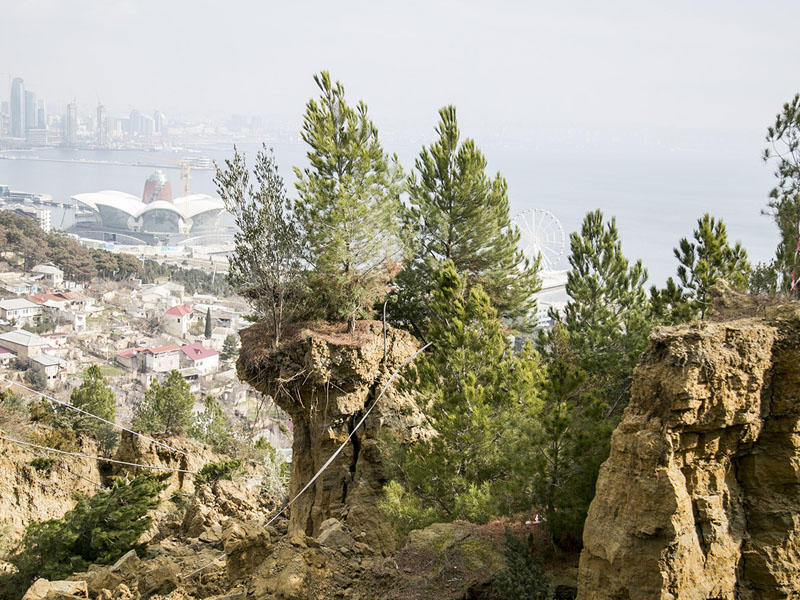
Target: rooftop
(4, 350)
(197, 351)
(45, 360)
(23, 338)
(17, 303)
(180, 311)
(162, 349)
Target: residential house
(49, 366)
(168, 294)
(7, 356)
(131, 358)
(51, 275)
(24, 343)
(19, 310)
(163, 359)
(18, 283)
(177, 320)
(65, 307)
(203, 360)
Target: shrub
(43, 464)
(214, 471)
(524, 577)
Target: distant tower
(159, 122)
(41, 115)
(30, 110)
(18, 108)
(157, 188)
(102, 126)
(71, 125)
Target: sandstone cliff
(326, 379)
(699, 497)
(28, 494)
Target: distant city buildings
(71, 125)
(101, 127)
(18, 108)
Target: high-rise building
(41, 115)
(159, 122)
(102, 126)
(18, 108)
(30, 110)
(71, 125)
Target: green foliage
(783, 150)
(43, 464)
(524, 577)
(763, 280)
(12, 404)
(99, 529)
(230, 347)
(166, 408)
(267, 263)
(701, 263)
(59, 438)
(195, 281)
(275, 468)
(348, 200)
(95, 396)
(44, 325)
(36, 378)
(474, 387)
(214, 471)
(457, 212)
(607, 318)
(207, 329)
(213, 428)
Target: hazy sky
(677, 74)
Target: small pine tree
(524, 577)
(348, 200)
(98, 530)
(457, 212)
(701, 263)
(212, 427)
(230, 347)
(783, 149)
(607, 318)
(207, 331)
(166, 408)
(95, 396)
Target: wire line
(80, 410)
(99, 458)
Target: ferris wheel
(541, 233)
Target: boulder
(42, 589)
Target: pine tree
(98, 530)
(95, 396)
(457, 212)
(783, 139)
(267, 265)
(474, 385)
(606, 320)
(347, 205)
(212, 427)
(166, 408)
(230, 346)
(701, 263)
(207, 331)
(524, 577)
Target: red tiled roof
(72, 295)
(162, 349)
(42, 298)
(180, 310)
(4, 350)
(129, 352)
(197, 351)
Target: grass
(111, 370)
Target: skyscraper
(30, 110)
(41, 115)
(71, 125)
(102, 126)
(18, 108)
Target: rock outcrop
(29, 494)
(700, 496)
(326, 379)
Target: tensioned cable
(100, 458)
(80, 410)
(330, 460)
